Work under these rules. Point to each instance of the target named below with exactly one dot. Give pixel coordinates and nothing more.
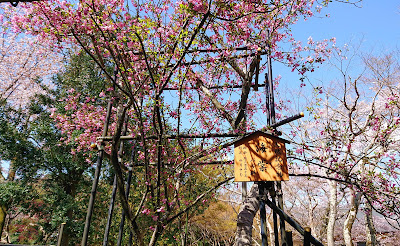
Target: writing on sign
(260, 157)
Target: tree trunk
(330, 231)
(4, 207)
(351, 216)
(311, 217)
(11, 173)
(67, 229)
(370, 228)
(3, 214)
(246, 215)
(70, 189)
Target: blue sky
(377, 22)
(375, 25)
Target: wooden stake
(100, 155)
(60, 234)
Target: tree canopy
(179, 76)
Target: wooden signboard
(260, 157)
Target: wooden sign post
(260, 157)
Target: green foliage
(81, 74)
(14, 193)
(45, 167)
(14, 145)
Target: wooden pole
(264, 238)
(100, 155)
(262, 189)
(275, 219)
(128, 182)
(307, 236)
(60, 234)
(272, 121)
(121, 226)
(280, 205)
(130, 243)
(110, 211)
(114, 191)
(244, 191)
(289, 238)
(291, 222)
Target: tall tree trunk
(70, 190)
(311, 223)
(246, 215)
(330, 231)
(4, 207)
(3, 214)
(351, 216)
(370, 228)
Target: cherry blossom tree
(175, 70)
(23, 61)
(351, 140)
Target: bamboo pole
(262, 189)
(280, 205)
(210, 135)
(122, 223)
(275, 219)
(100, 155)
(272, 122)
(291, 222)
(307, 236)
(289, 238)
(110, 211)
(60, 234)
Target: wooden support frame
(271, 122)
(292, 222)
